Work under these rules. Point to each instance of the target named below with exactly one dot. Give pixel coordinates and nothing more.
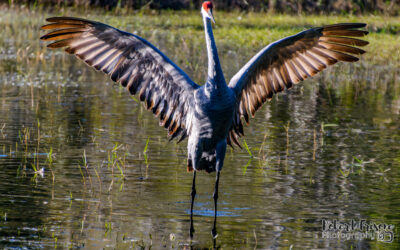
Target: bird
(211, 115)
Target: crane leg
(215, 196)
(193, 193)
(220, 155)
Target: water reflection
(327, 150)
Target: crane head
(207, 9)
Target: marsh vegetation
(85, 165)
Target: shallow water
(326, 150)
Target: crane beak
(210, 14)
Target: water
(325, 150)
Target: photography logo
(357, 230)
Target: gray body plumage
(210, 123)
(213, 113)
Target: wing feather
(131, 61)
(289, 61)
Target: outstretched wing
(289, 61)
(132, 61)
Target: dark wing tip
(345, 32)
(66, 19)
(65, 29)
(62, 22)
(340, 26)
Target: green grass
(247, 148)
(253, 30)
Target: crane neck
(215, 73)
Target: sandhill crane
(210, 115)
